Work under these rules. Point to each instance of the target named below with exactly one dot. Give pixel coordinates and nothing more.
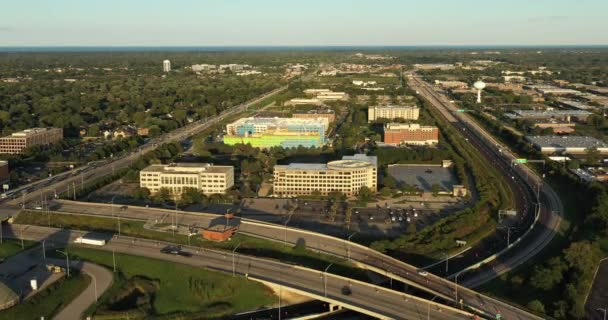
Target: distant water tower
(479, 85)
(166, 66)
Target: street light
(285, 230)
(348, 245)
(602, 309)
(325, 280)
(428, 312)
(67, 260)
(456, 286)
(233, 262)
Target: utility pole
(43, 250)
(74, 189)
(67, 260)
(447, 259)
(113, 260)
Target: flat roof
(547, 113)
(276, 121)
(423, 176)
(192, 168)
(31, 131)
(390, 106)
(566, 141)
(356, 160)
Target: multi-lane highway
(546, 218)
(49, 187)
(352, 294)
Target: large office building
(277, 132)
(564, 115)
(567, 144)
(19, 141)
(410, 134)
(347, 176)
(314, 114)
(392, 112)
(176, 177)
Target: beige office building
(392, 112)
(347, 176)
(19, 141)
(176, 177)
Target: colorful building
(277, 132)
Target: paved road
(598, 296)
(366, 298)
(549, 218)
(66, 183)
(361, 255)
(101, 279)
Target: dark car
(171, 250)
(346, 291)
(185, 254)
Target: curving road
(366, 298)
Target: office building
(277, 132)
(19, 141)
(166, 65)
(205, 177)
(347, 176)
(410, 134)
(392, 112)
(567, 144)
(314, 114)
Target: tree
(593, 156)
(536, 306)
(141, 193)
(365, 194)
(389, 182)
(547, 278)
(163, 195)
(435, 189)
(582, 256)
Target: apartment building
(19, 141)
(410, 134)
(208, 178)
(347, 176)
(392, 112)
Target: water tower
(479, 85)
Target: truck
(90, 241)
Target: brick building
(412, 134)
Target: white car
(423, 273)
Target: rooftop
(548, 113)
(357, 160)
(31, 132)
(191, 168)
(406, 126)
(281, 121)
(566, 141)
(394, 107)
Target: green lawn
(11, 247)
(248, 244)
(166, 288)
(50, 301)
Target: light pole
(428, 310)
(456, 286)
(348, 245)
(325, 280)
(43, 250)
(285, 230)
(113, 260)
(233, 262)
(67, 260)
(447, 259)
(602, 309)
(95, 285)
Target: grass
(248, 245)
(172, 290)
(10, 247)
(50, 301)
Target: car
(423, 273)
(171, 250)
(346, 290)
(185, 254)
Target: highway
(362, 256)
(547, 217)
(65, 183)
(366, 298)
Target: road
(66, 183)
(361, 255)
(363, 297)
(548, 217)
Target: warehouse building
(176, 177)
(392, 112)
(19, 141)
(567, 144)
(347, 176)
(563, 115)
(410, 134)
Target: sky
(302, 22)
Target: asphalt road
(549, 217)
(361, 255)
(366, 298)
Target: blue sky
(302, 22)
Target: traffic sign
(521, 160)
(460, 110)
(498, 316)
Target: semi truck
(90, 241)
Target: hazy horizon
(265, 23)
